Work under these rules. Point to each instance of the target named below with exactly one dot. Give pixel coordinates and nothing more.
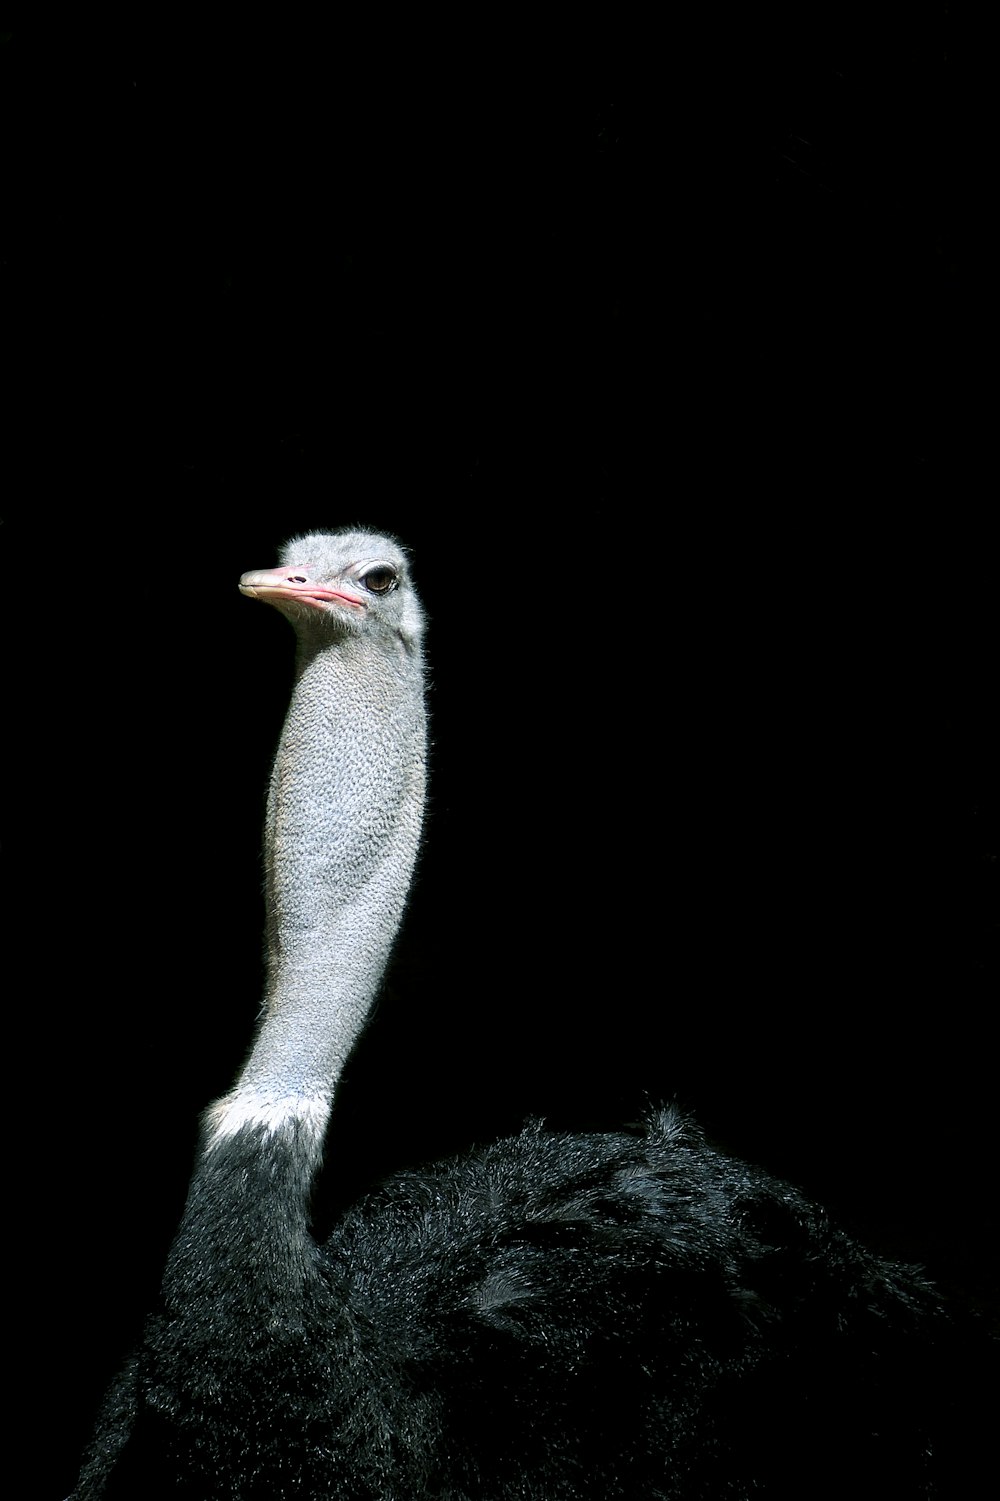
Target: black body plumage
(630, 1315)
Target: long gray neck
(344, 814)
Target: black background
(657, 352)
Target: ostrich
(629, 1314)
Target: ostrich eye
(381, 579)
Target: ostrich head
(341, 584)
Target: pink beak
(282, 585)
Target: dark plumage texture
(558, 1316)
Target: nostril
(297, 578)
